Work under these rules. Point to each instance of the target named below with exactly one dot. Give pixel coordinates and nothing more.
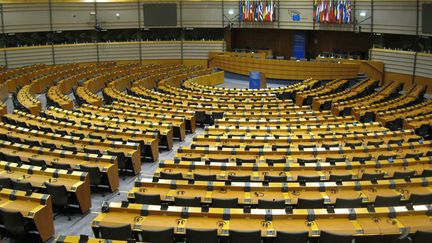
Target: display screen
(160, 14)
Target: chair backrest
(201, 236)
(201, 177)
(187, 202)
(308, 178)
(245, 160)
(21, 186)
(384, 201)
(372, 176)
(422, 236)
(91, 151)
(328, 237)
(152, 199)
(121, 232)
(121, 159)
(348, 202)
(292, 237)
(346, 177)
(12, 158)
(61, 166)
(225, 202)
(68, 148)
(361, 158)
(245, 178)
(14, 222)
(426, 173)
(335, 159)
(158, 236)
(59, 195)
(94, 174)
(403, 174)
(307, 160)
(49, 145)
(271, 204)
(413, 155)
(275, 178)
(310, 203)
(420, 198)
(237, 236)
(37, 162)
(171, 176)
(6, 182)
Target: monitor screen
(160, 14)
(427, 18)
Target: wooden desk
(178, 123)
(258, 171)
(76, 183)
(266, 152)
(164, 130)
(36, 207)
(313, 220)
(78, 239)
(107, 164)
(248, 193)
(130, 150)
(150, 139)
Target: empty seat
(238, 236)
(61, 166)
(14, 223)
(427, 173)
(403, 174)
(60, 197)
(372, 176)
(375, 143)
(37, 162)
(152, 199)
(201, 177)
(91, 151)
(272, 161)
(271, 204)
(49, 145)
(348, 202)
(158, 236)
(96, 177)
(422, 236)
(328, 237)
(361, 158)
(308, 178)
(12, 158)
(121, 159)
(275, 178)
(305, 203)
(238, 160)
(292, 237)
(420, 198)
(387, 201)
(120, 232)
(6, 182)
(413, 155)
(225, 202)
(171, 176)
(386, 157)
(201, 236)
(245, 178)
(69, 148)
(335, 159)
(302, 161)
(21, 186)
(346, 177)
(187, 202)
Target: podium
(257, 80)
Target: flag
(261, 11)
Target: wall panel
(396, 16)
(25, 56)
(200, 50)
(73, 16)
(127, 19)
(202, 14)
(26, 17)
(75, 53)
(161, 50)
(395, 61)
(118, 51)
